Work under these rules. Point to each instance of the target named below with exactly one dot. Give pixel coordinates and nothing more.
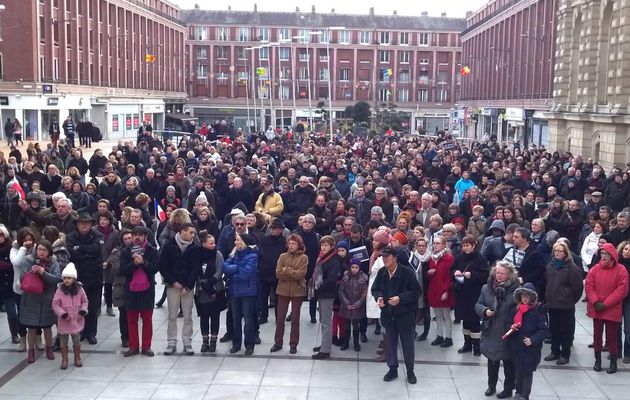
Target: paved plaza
(442, 373)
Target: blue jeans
(244, 308)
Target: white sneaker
(22, 346)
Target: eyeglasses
(239, 224)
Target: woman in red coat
(440, 294)
(606, 287)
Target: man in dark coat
(139, 303)
(273, 244)
(617, 193)
(237, 194)
(528, 261)
(396, 291)
(571, 224)
(311, 245)
(85, 246)
(302, 198)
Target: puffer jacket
(291, 274)
(36, 309)
(608, 284)
(493, 328)
(534, 327)
(70, 300)
(353, 291)
(242, 272)
(564, 286)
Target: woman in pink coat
(70, 304)
(606, 287)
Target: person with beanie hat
(70, 304)
(525, 338)
(401, 238)
(352, 295)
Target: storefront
(515, 118)
(122, 117)
(237, 116)
(431, 122)
(539, 129)
(36, 112)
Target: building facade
(508, 45)
(88, 59)
(262, 68)
(590, 113)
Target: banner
(115, 123)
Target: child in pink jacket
(70, 304)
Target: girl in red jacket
(440, 295)
(606, 287)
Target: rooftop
(315, 20)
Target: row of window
(244, 34)
(284, 54)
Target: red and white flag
(15, 185)
(158, 211)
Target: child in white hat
(70, 304)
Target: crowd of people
(389, 232)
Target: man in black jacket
(85, 246)
(273, 244)
(179, 276)
(396, 291)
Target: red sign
(128, 122)
(136, 121)
(115, 123)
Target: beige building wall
(590, 113)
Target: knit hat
(458, 220)
(400, 238)
(355, 261)
(201, 197)
(382, 235)
(69, 271)
(248, 239)
(343, 245)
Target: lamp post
(330, 121)
(252, 49)
(308, 71)
(293, 80)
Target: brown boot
(64, 356)
(77, 356)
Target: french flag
(158, 211)
(16, 186)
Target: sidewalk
(105, 145)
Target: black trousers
(94, 295)
(264, 290)
(123, 325)
(208, 319)
(312, 308)
(474, 326)
(108, 290)
(508, 371)
(562, 329)
(426, 319)
(524, 381)
(403, 331)
(353, 325)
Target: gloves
(83, 313)
(599, 306)
(64, 315)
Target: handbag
(139, 281)
(32, 283)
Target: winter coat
(109, 191)
(242, 272)
(209, 285)
(36, 309)
(477, 228)
(291, 274)
(301, 200)
(63, 225)
(135, 301)
(467, 293)
(571, 224)
(273, 204)
(372, 309)
(70, 300)
(174, 267)
(589, 248)
(6, 270)
(118, 278)
(85, 253)
(108, 246)
(11, 212)
(617, 195)
(268, 259)
(402, 284)
(440, 282)
(608, 284)
(323, 219)
(330, 270)
(534, 327)
(353, 290)
(501, 301)
(564, 286)
(532, 270)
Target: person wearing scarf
(440, 293)
(323, 286)
(179, 276)
(563, 290)
(525, 338)
(606, 287)
(422, 253)
(110, 240)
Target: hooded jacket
(608, 284)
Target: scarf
(436, 256)
(558, 264)
(105, 231)
(520, 311)
(318, 274)
(182, 244)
